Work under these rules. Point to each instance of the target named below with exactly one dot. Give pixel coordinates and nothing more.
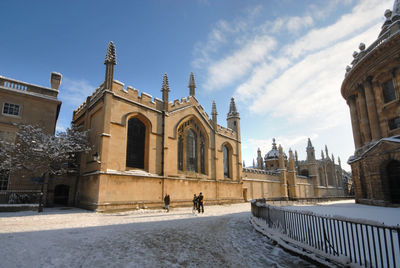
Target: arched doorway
(135, 143)
(61, 194)
(393, 171)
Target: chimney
(55, 80)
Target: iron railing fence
(364, 243)
(19, 197)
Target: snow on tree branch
(35, 152)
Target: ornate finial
(110, 57)
(192, 85)
(295, 155)
(326, 151)
(214, 108)
(280, 149)
(361, 46)
(309, 145)
(258, 150)
(232, 109)
(355, 54)
(322, 154)
(273, 144)
(333, 159)
(165, 85)
(340, 164)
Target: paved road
(159, 240)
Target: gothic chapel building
(144, 148)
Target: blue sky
(282, 60)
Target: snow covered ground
(221, 237)
(349, 209)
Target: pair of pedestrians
(198, 203)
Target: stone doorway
(61, 194)
(393, 171)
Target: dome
(273, 154)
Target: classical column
(354, 121)
(364, 121)
(379, 106)
(372, 113)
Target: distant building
(278, 177)
(372, 90)
(28, 104)
(144, 148)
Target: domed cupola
(271, 158)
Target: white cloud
(362, 16)
(233, 67)
(75, 91)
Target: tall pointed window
(226, 161)
(192, 146)
(135, 143)
(191, 151)
(180, 153)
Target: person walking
(195, 200)
(167, 200)
(200, 203)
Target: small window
(394, 123)
(11, 109)
(388, 91)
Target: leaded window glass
(191, 151)
(180, 153)
(135, 143)
(226, 161)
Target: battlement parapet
(178, 104)
(226, 131)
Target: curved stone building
(372, 90)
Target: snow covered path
(220, 237)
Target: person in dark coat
(195, 199)
(200, 203)
(167, 200)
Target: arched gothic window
(226, 156)
(191, 148)
(135, 143)
(191, 151)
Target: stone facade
(277, 177)
(24, 103)
(144, 148)
(372, 90)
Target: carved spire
(322, 154)
(281, 160)
(232, 109)
(309, 144)
(110, 57)
(192, 85)
(333, 159)
(326, 151)
(260, 164)
(214, 113)
(310, 151)
(340, 164)
(165, 92)
(291, 160)
(110, 61)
